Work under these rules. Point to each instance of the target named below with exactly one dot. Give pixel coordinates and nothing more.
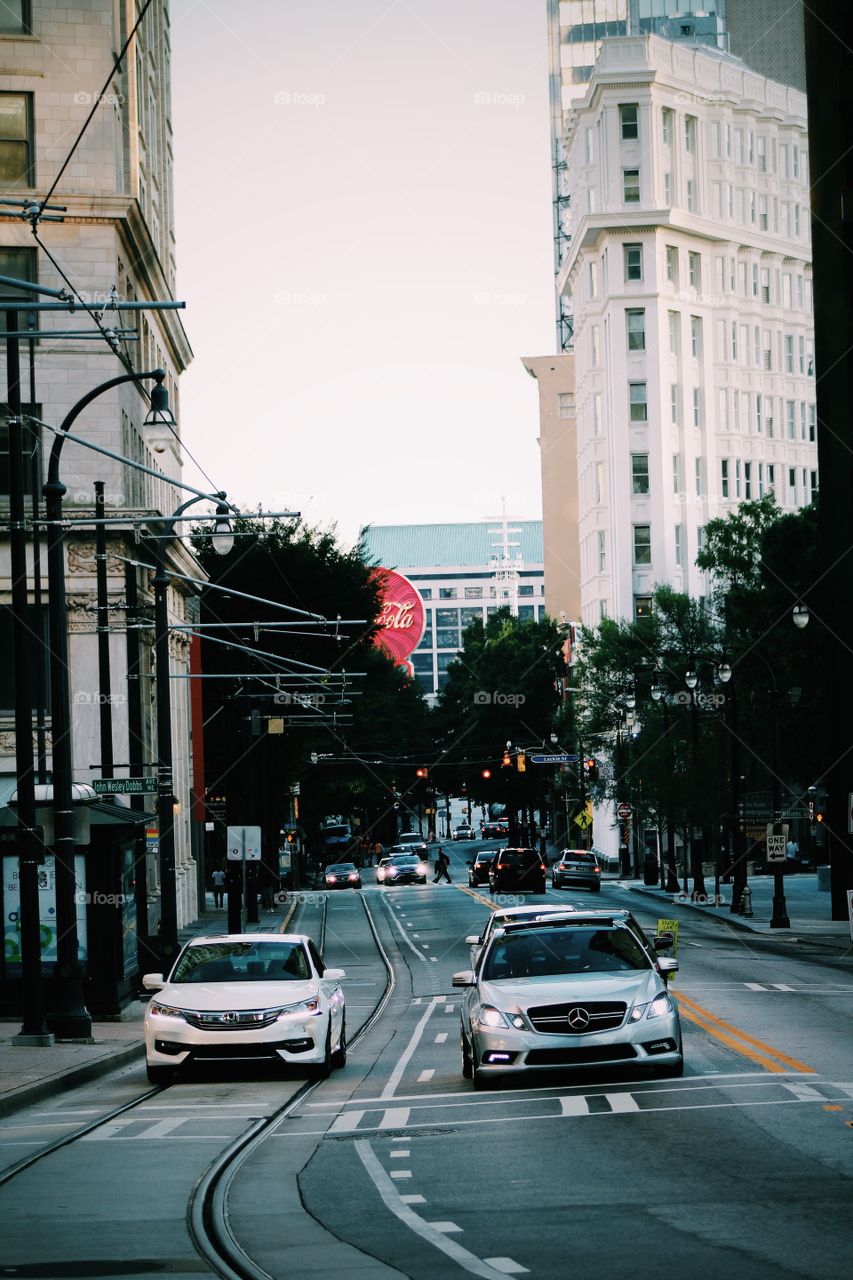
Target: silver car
(555, 993)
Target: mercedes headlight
(492, 1017)
(660, 1005)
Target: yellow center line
(478, 897)
(715, 1026)
(282, 928)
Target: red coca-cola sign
(402, 616)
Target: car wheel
(467, 1064)
(481, 1081)
(339, 1057)
(323, 1069)
(160, 1075)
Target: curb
(740, 925)
(15, 1099)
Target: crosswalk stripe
(576, 1106)
(622, 1102)
(346, 1122)
(395, 1118)
(754, 986)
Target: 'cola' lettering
(396, 615)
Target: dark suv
(577, 867)
(478, 870)
(517, 869)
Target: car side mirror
(463, 979)
(153, 982)
(334, 975)
(663, 941)
(473, 940)
(667, 964)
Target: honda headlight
(164, 1010)
(422, 868)
(310, 1006)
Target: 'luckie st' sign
(402, 616)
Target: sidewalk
(27, 1075)
(808, 909)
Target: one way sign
(777, 842)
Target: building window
(694, 270)
(697, 406)
(679, 545)
(789, 353)
(724, 477)
(696, 337)
(673, 403)
(791, 418)
(639, 473)
(631, 186)
(672, 264)
(667, 189)
(758, 414)
(771, 476)
(601, 539)
(736, 410)
(565, 404)
(792, 485)
(747, 479)
(596, 346)
(633, 262)
(642, 607)
(526, 589)
(425, 593)
(812, 423)
(473, 593)
(699, 476)
(690, 134)
(20, 264)
(666, 118)
(599, 483)
(447, 593)
(597, 402)
(15, 16)
(642, 544)
(636, 322)
(592, 268)
(447, 638)
(637, 400)
(629, 121)
(16, 139)
(737, 479)
(813, 484)
(674, 332)
(765, 284)
(691, 195)
(677, 486)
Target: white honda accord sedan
(246, 995)
(554, 993)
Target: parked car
(342, 875)
(253, 995)
(464, 832)
(517, 869)
(402, 868)
(412, 842)
(567, 993)
(577, 867)
(478, 869)
(510, 915)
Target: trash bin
(650, 869)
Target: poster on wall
(47, 909)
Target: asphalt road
(740, 1169)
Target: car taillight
(503, 866)
(542, 866)
(597, 870)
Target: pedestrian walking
(218, 879)
(442, 862)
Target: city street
(396, 1166)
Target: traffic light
(521, 762)
(590, 768)
(422, 773)
(487, 773)
(506, 763)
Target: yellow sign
(584, 819)
(670, 926)
(522, 762)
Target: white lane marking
(401, 1153)
(399, 1174)
(622, 1102)
(402, 932)
(425, 946)
(397, 1074)
(346, 1122)
(161, 1127)
(780, 986)
(415, 1222)
(434, 959)
(574, 1106)
(395, 1118)
(399, 1139)
(445, 1227)
(416, 1000)
(448, 1008)
(426, 1075)
(803, 1091)
(754, 986)
(846, 1088)
(107, 1130)
(441, 1037)
(413, 1199)
(48, 1124)
(410, 924)
(507, 1267)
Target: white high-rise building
(688, 274)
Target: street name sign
(562, 757)
(124, 786)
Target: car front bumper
(500, 1050)
(292, 1038)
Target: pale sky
(364, 245)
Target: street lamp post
(223, 540)
(659, 695)
(69, 1018)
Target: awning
(101, 814)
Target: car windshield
(569, 855)
(485, 857)
(335, 833)
(243, 962)
(340, 867)
(552, 952)
(404, 860)
(410, 837)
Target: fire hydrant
(746, 901)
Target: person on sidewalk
(218, 879)
(442, 862)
